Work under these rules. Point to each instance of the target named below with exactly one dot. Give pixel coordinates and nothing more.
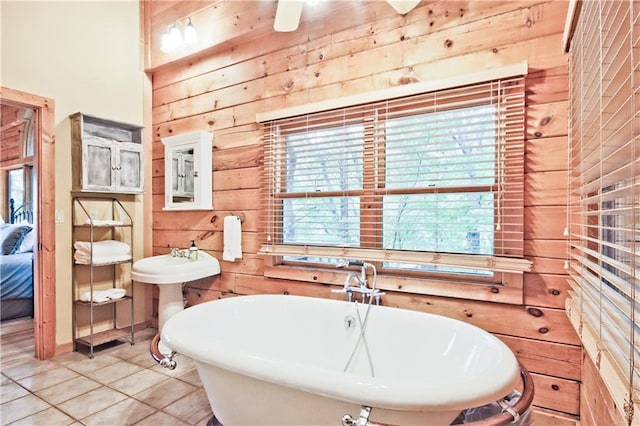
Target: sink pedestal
(169, 273)
(170, 302)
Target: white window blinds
(604, 219)
(433, 180)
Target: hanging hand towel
(232, 239)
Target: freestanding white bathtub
(280, 360)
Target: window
(20, 184)
(15, 183)
(452, 150)
(604, 219)
(429, 184)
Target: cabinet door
(129, 168)
(175, 175)
(98, 170)
(182, 175)
(188, 173)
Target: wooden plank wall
(355, 49)
(12, 128)
(597, 406)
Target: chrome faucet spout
(353, 277)
(356, 282)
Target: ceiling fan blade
(403, 6)
(288, 15)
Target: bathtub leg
(164, 360)
(214, 422)
(363, 420)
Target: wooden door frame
(44, 274)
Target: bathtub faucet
(357, 282)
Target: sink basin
(165, 269)
(169, 273)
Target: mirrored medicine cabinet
(188, 171)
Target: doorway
(43, 205)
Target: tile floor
(121, 385)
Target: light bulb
(175, 37)
(190, 35)
(165, 43)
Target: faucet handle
(344, 290)
(176, 252)
(377, 295)
(343, 263)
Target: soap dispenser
(193, 252)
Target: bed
(17, 242)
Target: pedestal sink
(169, 273)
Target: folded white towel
(108, 222)
(117, 293)
(232, 238)
(101, 252)
(102, 248)
(100, 296)
(97, 297)
(86, 259)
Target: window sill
(511, 293)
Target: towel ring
(241, 216)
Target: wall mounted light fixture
(178, 36)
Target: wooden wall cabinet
(107, 155)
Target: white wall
(86, 56)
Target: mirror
(183, 175)
(188, 171)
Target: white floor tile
(21, 408)
(11, 391)
(50, 417)
(124, 413)
(138, 382)
(48, 378)
(114, 372)
(192, 408)
(91, 402)
(161, 419)
(165, 393)
(68, 390)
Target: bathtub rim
(383, 393)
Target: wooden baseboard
(63, 349)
